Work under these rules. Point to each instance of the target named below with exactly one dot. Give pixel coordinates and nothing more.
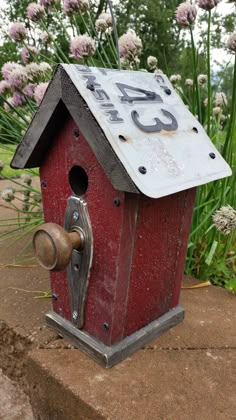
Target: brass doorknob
(53, 246)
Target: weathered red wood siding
(139, 246)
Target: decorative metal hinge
(78, 271)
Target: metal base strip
(109, 356)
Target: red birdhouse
(120, 157)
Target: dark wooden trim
(26, 155)
(36, 143)
(109, 356)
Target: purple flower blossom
(70, 7)
(107, 17)
(4, 86)
(45, 38)
(83, 5)
(101, 25)
(17, 99)
(207, 4)
(29, 90)
(33, 71)
(39, 92)
(18, 78)
(47, 3)
(82, 46)
(8, 67)
(45, 67)
(27, 54)
(103, 22)
(35, 12)
(130, 45)
(17, 31)
(186, 14)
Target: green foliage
(185, 66)
(224, 81)
(6, 153)
(154, 21)
(8, 52)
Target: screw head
(106, 326)
(54, 296)
(212, 155)
(75, 216)
(75, 315)
(76, 132)
(168, 91)
(43, 184)
(142, 170)
(116, 202)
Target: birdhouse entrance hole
(78, 180)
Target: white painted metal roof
(161, 144)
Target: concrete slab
(210, 319)
(159, 384)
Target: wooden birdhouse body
(108, 173)
(133, 280)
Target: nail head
(168, 91)
(142, 170)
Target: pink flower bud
(207, 4)
(17, 31)
(29, 90)
(18, 78)
(39, 92)
(82, 46)
(18, 99)
(130, 45)
(27, 54)
(4, 87)
(8, 67)
(35, 12)
(47, 3)
(186, 14)
(70, 7)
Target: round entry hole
(78, 180)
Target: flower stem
(110, 41)
(14, 109)
(209, 103)
(98, 40)
(195, 78)
(63, 56)
(115, 32)
(232, 119)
